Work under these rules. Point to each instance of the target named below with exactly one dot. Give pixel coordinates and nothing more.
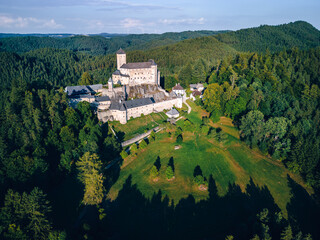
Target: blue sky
(141, 16)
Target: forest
(270, 89)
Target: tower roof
(120, 51)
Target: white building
(135, 73)
(196, 87)
(179, 90)
(122, 111)
(173, 113)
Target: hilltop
(274, 38)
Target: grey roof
(198, 85)
(172, 112)
(76, 90)
(102, 99)
(116, 72)
(178, 87)
(138, 65)
(152, 62)
(115, 105)
(139, 102)
(120, 51)
(86, 96)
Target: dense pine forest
(266, 79)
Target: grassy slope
(139, 125)
(228, 163)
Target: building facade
(135, 73)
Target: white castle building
(112, 103)
(135, 73)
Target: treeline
(53, 68)
(274, 99)
(98, 45)
(43, 141)
(59, 68)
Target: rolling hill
(275, 38)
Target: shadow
(133, 216)
(157, 163)
(197, 171)
(120, 136)
(171, 163)
(303, 210)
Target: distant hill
(172, 57)
(275, 38)
(99, 44)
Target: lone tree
(154, 173)
(169, 172)
(179, 139)
(124, 154)
(133, 148)
(152, 136)
(85, 79)
(90, 168)
(143, 144)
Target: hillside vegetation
(274, 38)
(98, 45)
(244, 163)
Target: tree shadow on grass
(171, 163)
(157, 163)
(133, 216)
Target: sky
(141, 16)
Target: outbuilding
(173, 113)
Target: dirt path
(189, 108)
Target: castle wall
(113, 115)
(138, 111)
(141, 76)
(165, 105)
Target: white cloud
(182, 21)
(131, 23)
(30, 22)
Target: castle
(139, 81)
(135, 73)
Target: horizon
(121, 33)
(143, 17)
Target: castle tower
(121, 58)
(110, 85)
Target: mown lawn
(228, 162)
(138, 125)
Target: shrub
(152, 136)
(133, 148)
(215, 116)
(204, 129)
(199, 180)
(123, 154)
(179, 139)
(143, 144)
(169, 172)
(154, 172)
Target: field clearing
(231, 162)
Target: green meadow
(228, 162)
